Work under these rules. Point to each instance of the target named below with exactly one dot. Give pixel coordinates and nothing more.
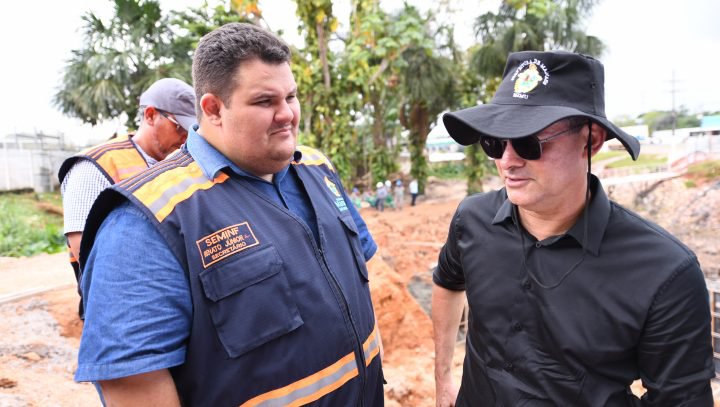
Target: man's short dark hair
(220, 53)
(577, 121)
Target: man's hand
(446, 393)
(447, 308)
(73, 239)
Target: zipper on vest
(362, 369)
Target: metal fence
(32, 162)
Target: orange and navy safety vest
(278, 318)
(117, 159)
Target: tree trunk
(474, 168)
(323, 46)
(419, 130)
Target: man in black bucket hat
(571, 296)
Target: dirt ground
(38, 303)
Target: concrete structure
(31, 161)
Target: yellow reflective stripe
(319, 384)
(116, 143)
(310, 388)
(162, 194)
(311, 156)
(371, 347)
(122, 163)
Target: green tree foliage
(191, 24)
(355, 93)
(139, 45)
(366, 93)
(663, 120)
(625, 120)
(120, 58)
(330, 91)
(428, 90)
(428, 85)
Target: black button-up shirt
(564, 326)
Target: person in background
(571, 296)
(356, 198)
(168, 112)
(399, 194)
(413, 189)
(389, 202)
(381, 194)
(234, 273)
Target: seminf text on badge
(225, 242)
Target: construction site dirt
(41, 331)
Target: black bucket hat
(537, 90)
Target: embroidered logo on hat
(525, 103)
(528, 78)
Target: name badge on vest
(226, 242)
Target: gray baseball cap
(173, 96)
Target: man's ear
(599, 134)
(149, 115)
(211, 107)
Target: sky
(655, 49)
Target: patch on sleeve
(226, 242)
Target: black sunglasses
(528, 148)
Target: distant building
(441, 147)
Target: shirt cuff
(109, 371)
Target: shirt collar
(212, 161)
(598, 213)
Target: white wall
(29, 168)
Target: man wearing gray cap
(168, 112)
(571, 296)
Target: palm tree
(428, 89)
(119, 60)
(139, 45)
(524, 25)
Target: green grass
(643, 160)
(606, 155)
(447, 170)
(25, 229)
(709, 170)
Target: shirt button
(538, 245)
(517, 327)
(509, 366)
(526, 284)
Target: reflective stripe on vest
(118, 159)
(311, 156)
(174, 186)
(315, 386)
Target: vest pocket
(354, 239)
(250, 301)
